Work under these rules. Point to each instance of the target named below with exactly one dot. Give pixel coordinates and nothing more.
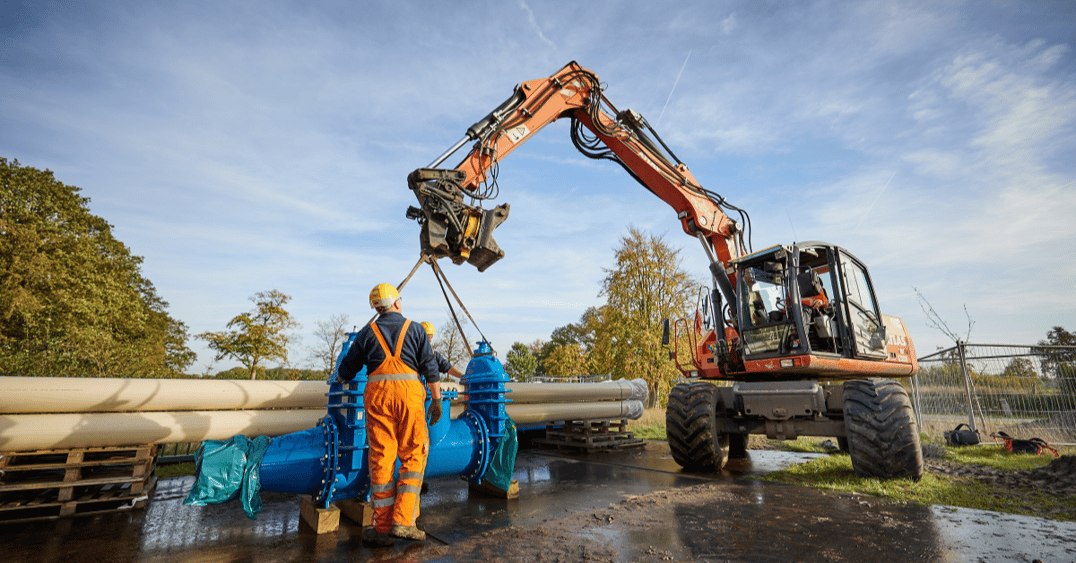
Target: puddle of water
(996, 537)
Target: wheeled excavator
(787, 341)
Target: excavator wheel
(695, 439)
(883, 439)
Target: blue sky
(245, 146)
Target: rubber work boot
(371, 536)
(408, 533)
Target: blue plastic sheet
(503, 463)
(227, 470)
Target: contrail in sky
(673, 88)
(880, 192)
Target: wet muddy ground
(633, 505)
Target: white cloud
(534, 23)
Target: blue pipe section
(330, 461)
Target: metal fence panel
(1025, 391)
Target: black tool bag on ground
(961, 436)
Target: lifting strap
(443, 281)
(440, 275)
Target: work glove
(435, 411)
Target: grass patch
(991, 455)
(651, 426)
(171, 470)
(834, 472)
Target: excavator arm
(462, 230)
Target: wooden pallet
(50, 484)
(590, 435)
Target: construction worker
(443, 365)
(396, 354)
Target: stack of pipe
(41, 413)
(539, 403)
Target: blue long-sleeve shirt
(443, 365)
(366, 350)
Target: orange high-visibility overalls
(395, 402)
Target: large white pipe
(615, 390)
(90, 394)
(30, 432)
(24, 395)
(541, 413)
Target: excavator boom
(462, 231)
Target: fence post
(967, 383)
(915, 401)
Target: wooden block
(321, 520)
(357, 511)
(72, 474)
(486, 489)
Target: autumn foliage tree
(646, 285)
(256, 336)
(623, 337)
(569, 350)
(73, 300)
(567, 360)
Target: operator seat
(813, 298)
(810, 284)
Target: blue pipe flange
(484, 453)
(332, 436)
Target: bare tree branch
(935, 320)
(330, 336)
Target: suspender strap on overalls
(393, 368)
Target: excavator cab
(807, 299)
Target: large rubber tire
(692, 429)
(883, 439)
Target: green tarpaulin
(229, 469)
(499, 473)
